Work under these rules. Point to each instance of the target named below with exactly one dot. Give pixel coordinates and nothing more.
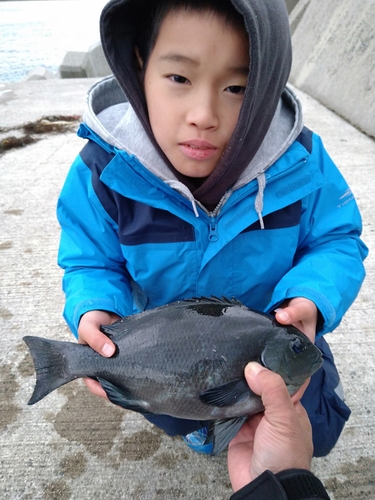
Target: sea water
(39, 33)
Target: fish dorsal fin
(123, 397)
(117, 330)
(226, 394)
(221, 432)
(224, 302)
(214, 300)
(211, 306)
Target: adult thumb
(269, 386)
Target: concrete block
(96, 64)
(296, 15)
(6, 93)
(334, 58)
(40, 73)
(290, 4)
(73, 65)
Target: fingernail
(253, 368)
(107, 350)
(282, 315)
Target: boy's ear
(138, 61)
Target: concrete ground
(72, 445)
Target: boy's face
(194, 84)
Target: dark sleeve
(293, 484)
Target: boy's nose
(203, 112)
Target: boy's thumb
(108, 350)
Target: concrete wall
(334, 57)
(290, 4)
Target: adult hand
(277, 439)
(89, 333)
(301, 313)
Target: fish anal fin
(123, 397)
(226, 394)
(221, 432)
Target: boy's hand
(276, 440)
(301, 313)
(89, 333)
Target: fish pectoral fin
(123, 397)
(221, 432)
(226, 394)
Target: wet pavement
(72, 445)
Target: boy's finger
(95, 388)
(298, 309)
(99, 342)
(290, 314)
(282, 316)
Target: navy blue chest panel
(285, 217)
(139, 223)
(305, 138)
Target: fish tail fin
(50, 364)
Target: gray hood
(267, 25)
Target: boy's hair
(149, 28)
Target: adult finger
(270, 386)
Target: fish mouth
(317, 363)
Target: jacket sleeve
(328, 266)
(294, 484)
(95, 275)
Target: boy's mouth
(197, 149)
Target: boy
(200, 179)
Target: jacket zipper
(213, 234)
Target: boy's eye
(235, 89)
(178, 79)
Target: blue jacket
(131, 241)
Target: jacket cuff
(293, 484)
(300, 483)
(264, 486)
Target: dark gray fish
(185, 359)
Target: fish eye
(297, 345)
